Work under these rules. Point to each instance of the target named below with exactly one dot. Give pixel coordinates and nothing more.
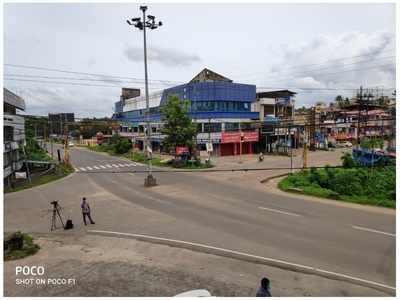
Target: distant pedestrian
(86, 211)
(261, 157)
(264, 290)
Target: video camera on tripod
(56, 214)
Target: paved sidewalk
(253, 178)
(138, 269)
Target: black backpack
(69, 225)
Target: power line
(84, 73)
(74, 78)
(215, 170)
(339, 72)
(67, 83)
(321, 63)
(333, 66)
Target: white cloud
(44, 100)
(167, 57)
(346, 60)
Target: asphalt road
(189, 207)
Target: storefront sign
(181, 150)
(234, 137)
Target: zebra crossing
(106, 166)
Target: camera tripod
(56, 213)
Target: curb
(265, 180)
(44, 184)
(249, 258)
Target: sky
(316, 50)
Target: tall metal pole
(142, 24)
(147, 135)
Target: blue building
(220, 107)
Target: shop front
(236, 143)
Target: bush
(19, 245)
(123, 146)
(376, 186)
(348, 161)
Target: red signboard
(181, 150)
(234, 137)
(230, 137)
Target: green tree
(123, 146)
(178, 126)
(340, 102)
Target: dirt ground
(104, 266)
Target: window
(212, 127)
(231, 126)
(8, 133)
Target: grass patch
(19, 245)
(60, 171)
(357, 185)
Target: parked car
(345, 144)
(71, 144)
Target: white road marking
(248, 255)
(115, 166)
(108, 166)
(127, 165)
(76, 169)
(133, 165)
(96, 167)
(82, 169)
(373, 230)
(89, 168)
(103, 167)
(280, 211)
(121, 165)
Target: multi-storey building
(276, 113)
(14, 135)
(220, 107)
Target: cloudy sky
(317, 50)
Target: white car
(344, 144)
(71, 144)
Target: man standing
(86, 211)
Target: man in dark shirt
(264, 290)
(86, 211)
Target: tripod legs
(56, 212)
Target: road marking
(121, 165)
(373, 230)
(133, 165)
(96, 167)
(108, 166)
(115, 166)
(76, 169)
(103, 167)
(127, 165)
(280, 211)
(265, 259)
(82, 169)
(89, 168)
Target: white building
(14, 135)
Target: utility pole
(305, 140)
(291, 150)
(66, 150)
(360, 99)
(141, 24)
(209, 139)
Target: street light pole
(141, 24)
(147, 135)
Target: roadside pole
(142, 24)
(291, 151)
